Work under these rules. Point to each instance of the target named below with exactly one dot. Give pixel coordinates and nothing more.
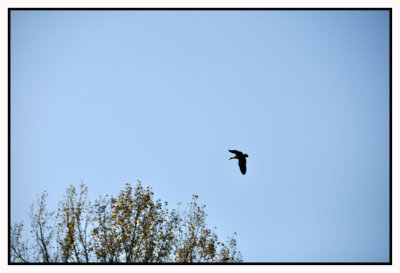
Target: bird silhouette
(241, 160)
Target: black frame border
(390, 262)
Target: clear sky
(109, 97)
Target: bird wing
(242, 165)
(237, 153)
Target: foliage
(130, 228)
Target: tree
(18, 248)
(43, 231)
(197, 243)
(74, 215)
(130, 228)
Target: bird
(241, 160)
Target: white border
(5, 4)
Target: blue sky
(109, 97)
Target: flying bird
(241, 160)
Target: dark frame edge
(9, 134)
(390, 140)
(390, 262)
(199, 8)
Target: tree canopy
(130, 228)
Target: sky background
(109, 97)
